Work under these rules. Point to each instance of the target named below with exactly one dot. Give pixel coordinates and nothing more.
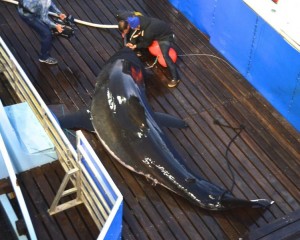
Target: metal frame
(86, 188)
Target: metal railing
(17, 189)
(84, 164)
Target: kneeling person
(154, 29)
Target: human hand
(62, 16)
(59, 28)
(130, 45)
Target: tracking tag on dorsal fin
(168, 120)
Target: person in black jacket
(128, 34)
(124, 14)
(151, 29)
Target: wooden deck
(263, 161)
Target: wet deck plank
(264, 158)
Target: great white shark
(133, 134)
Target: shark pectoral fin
(261, 203)
(77, 120)
(168, 120)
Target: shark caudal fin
(229, 202)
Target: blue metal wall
(260, 54)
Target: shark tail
(229, 202)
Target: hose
(96, 25)
(207, 55)
(238, 131)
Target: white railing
(17, 189)
(95, 188)
(26, 92)
(102, 208)
(109, 196)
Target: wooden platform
(263, 161)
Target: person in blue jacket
(35, 14)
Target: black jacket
(153, 29)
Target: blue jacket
(39, 9)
